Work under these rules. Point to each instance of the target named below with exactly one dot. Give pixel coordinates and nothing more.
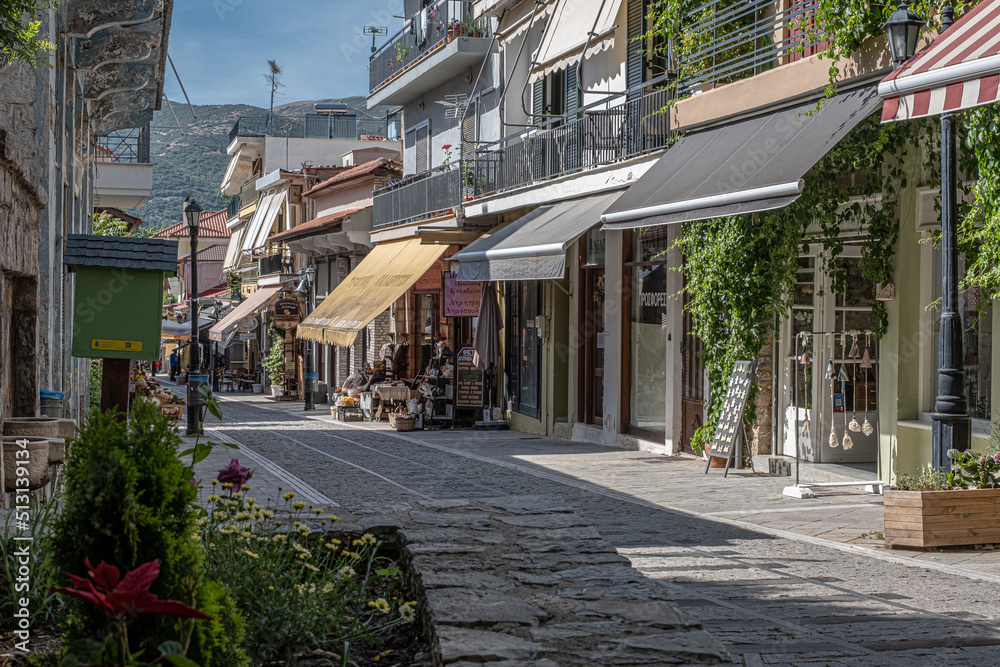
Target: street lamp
(902, 30)
(192, 215)
(305, 289)
(951, 426)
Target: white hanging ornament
(867, 427)
(848, 443)
(834, 440)
(854, 425)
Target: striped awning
(957, 71)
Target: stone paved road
(773, 597)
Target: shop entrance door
(810, 396)
(693, 381)
(592, 327)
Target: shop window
(524, 347)
(648, 345)
(592, 327)
(977, 323)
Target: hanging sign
(730, 427)
(248, 324)
(248, 335)
(461, 299)
(286, 312)
(470, 391)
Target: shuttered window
(572, 97)
(421, 149)
(538, 101)
(634, 57)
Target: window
(421, 148)
(648, 308)
(524, 347)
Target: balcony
(724, 41)
(233, 207)
(316, 126)
(602, 133)
(435, 46)
(124, 173)
(248, 194)
(270, 264)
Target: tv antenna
(272, 78)
(455, 104)
(374, 30)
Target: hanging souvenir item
(842, 376)
(854, 354)
(854, 425)
(834, 440)
(804, 358)
(866, 427)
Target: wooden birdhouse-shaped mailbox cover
(118, 301)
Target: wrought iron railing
(130, 146)
(602, 133)
(317, 126)
(422, 33)
(726, 40)
(418, 197)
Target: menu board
(469, 387)
(729, 428)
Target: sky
(221, 48)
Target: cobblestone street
(778, 581)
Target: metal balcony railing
(233, 207)
(130, 146)
(437, 24)
(418, 197)
(248, 193)
(726, 40)
(317, 126)
(270, 264)
(602, 133)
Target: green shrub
(128, 501)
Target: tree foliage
(21, 37)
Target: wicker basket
(402, 422)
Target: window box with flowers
(934, 509)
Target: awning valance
(251, 306)
(383, 276)
(573, 27)
(746, 167)
(532, 247)
(959, 70)
(259, 227)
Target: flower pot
(277, 391)
(33, 427)
(37, 462)
(942, 518)
(257, 388)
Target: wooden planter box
(942, 518)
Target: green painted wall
(117, 305)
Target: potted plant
(935, 509)
(274, 364)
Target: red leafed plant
(121, 598)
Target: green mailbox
(118, 300)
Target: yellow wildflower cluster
(289, 495)
(298, 504)
(381, 604)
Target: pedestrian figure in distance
(175, 365)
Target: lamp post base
(949, 432)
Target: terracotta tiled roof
(211, 226)
(213, 253)
(214, 291)
(356, 172)
(314, 226)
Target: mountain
(195, 162)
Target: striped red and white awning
(959, 70)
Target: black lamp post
(305, 289)
(951, 424)
(192, 215)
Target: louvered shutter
(538, 101)
(420, 148)
(572, 137)
(634, 65)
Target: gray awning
(753, 165)
(532, 247)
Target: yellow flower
(227, 485)
(219, 515)
(328, 587)
(279, 537)
(250, 553)
(351, 554)
(346, 571)
(243, 516)
(270, 588)
(312, 568)
(381, 604)
(247, 487)
(214, 482)
(332, 517)
(358, 543)
(297, 524)
(196, 537)
(334, 541)
(407, 613)
(368, 538)
(268, 513)
(213, 498)
(238, 494)
(251, 501)
(289, 495)
(298, 504)
(245, 534)
(318, 511)
(331, 547)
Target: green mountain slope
(195, 162)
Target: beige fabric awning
(568, 30)
(237, 174)
(234, 249)
(251, 306)
(383, 276)
(262, 222)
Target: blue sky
(221, 48)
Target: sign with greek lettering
(469, 386)
(461, 299)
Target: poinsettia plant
(121, 599)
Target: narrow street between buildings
(779, 581)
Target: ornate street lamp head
(902, 30)
(192, 214)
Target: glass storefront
(648, 354)
(524, 347)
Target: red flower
(446, 146)
(118, 597)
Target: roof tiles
(120, 252)
(211, 225)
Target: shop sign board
(461, 299)
(248, 324)
(286, 312)
(248, 335)
(470, 390)
(729, 430)
(431, 280)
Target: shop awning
(383, 276)
(259, 227)
(251, 306)
(566, 35)
(532, 247)
(746, 167)
(959, 70)
(234, 250)
(237, 174)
